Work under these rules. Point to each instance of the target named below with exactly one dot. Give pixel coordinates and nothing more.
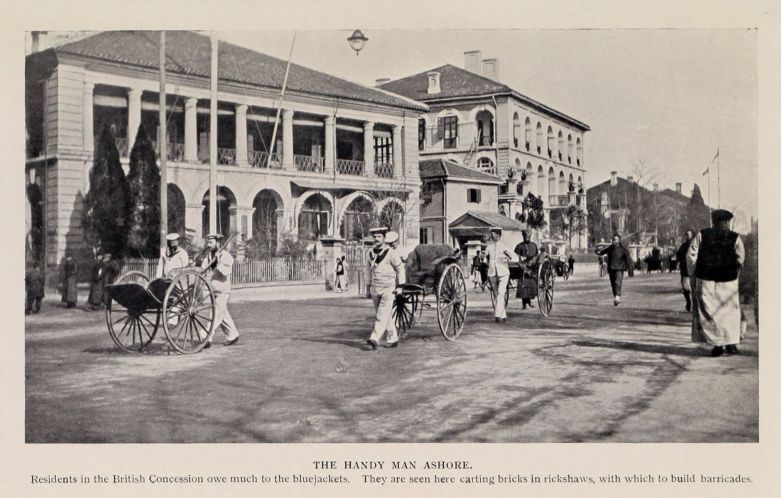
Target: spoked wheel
(131, 328)
(408, 303)
(545, 280)
(189, 312)
(451, 302)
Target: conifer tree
(144, 212)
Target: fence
(246, 271)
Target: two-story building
(478, 122)
(344, 151)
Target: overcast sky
(668, 97)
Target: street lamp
(357, 41)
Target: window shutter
(440, 128)
(455, 127)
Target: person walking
(498, 255)
(172, 258)
(475, 270)
(714, 259)
(680, 257)
(528, 257)
(571, 263)
(96, 285)
(618, 262)
(70, 282)
(340, 271)
(386, 272)
(220, 263)
(33, 283)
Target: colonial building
(478, 122)
(449, 191)
(343, 152)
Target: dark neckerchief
(377, 254)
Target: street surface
(590, 372)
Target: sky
(670, 98)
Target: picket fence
(250, 272)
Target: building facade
(478, 122)
(344, 153)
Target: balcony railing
(383, 170)
(259, 159)
(309, 163)
(350, 167)
(173, 152)
(226, 156)
(121, 146)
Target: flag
(707, 171)
(716, 156)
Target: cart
(184, 305)
(433, 269)
(540, 284)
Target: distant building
(447, 192)
(343, 153)
(478, 122)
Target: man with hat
(680, 256)
(386, 271)
(714, 259)
(498, 255)
(528, 256)
(220, 263)
(172, 257)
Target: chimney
(40, 39)
(472, 61)
(433, 82)
(381, 81)
(613, 178)
(491, 69)
(656, 187)
(630, 179)
(678, 187)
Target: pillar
(133, 116)
(193, 218)
(330, 144)
(398, 167)
(368, 148)
(191, 130)
(287, 139)
(241, 135)
(88, 124)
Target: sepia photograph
(391, 236)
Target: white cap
(391, 237)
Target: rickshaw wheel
(131, 329)
(405, 307)
(451, 302)
(189, 312)
(545, 281)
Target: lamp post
(357, 41)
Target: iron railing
(383, 170)
(259, 159)
(350, 167)
(121, 146)
(309, 163)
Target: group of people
(104, 272)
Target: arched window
(516, 130)
(562, 183)
(485, 165)
(541, 182)
(421, 134)
(264, 222)
(314, 218)
(539, 137)
(561, 146)
(552, 182)
(357, 219)
(579, 152)
(551, 140)
(528, 134)
(570, 152)
(485, 128)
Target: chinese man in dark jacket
(618, 261)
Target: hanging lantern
(357, 41)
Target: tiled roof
(677, 196)
(438, 168)
(455, 82)
(490, 219)
(190, 53)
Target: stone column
(88, 125)
(398, 167)
(332, 249)
(191, 130)
(330, 144)
(287, 139)
(368, 148)
(133, 116)
(193, 220)
(241, 135)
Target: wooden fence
(246, 271)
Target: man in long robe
(714, 260)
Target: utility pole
(162, 147)
(213, 137)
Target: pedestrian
(386, 272)
(571, 263)
(498, 272)
(528, 257)
(475, 270)
(483, 263)
(618, 262)
(714, 259)
(680, 256)
(111, 272)
(34, 289)
(219, 263)
(70, 282)
(172, 258)
(341, 285)
(96, 285)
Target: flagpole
(718, 177)
(213, 133)
(281, 98)
(162, 140)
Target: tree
(144, 185)
(698, 214)
(105, 218)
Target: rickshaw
(538, 282)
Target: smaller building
(473, 226)
(448, 191)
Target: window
(485, 165)
(421, 134)
(473, 195)
(449, 130)
(424, 235)
(383, 150)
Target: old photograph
(391, 236)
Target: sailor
(386, 271)
(220, 262)
(172, 257)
